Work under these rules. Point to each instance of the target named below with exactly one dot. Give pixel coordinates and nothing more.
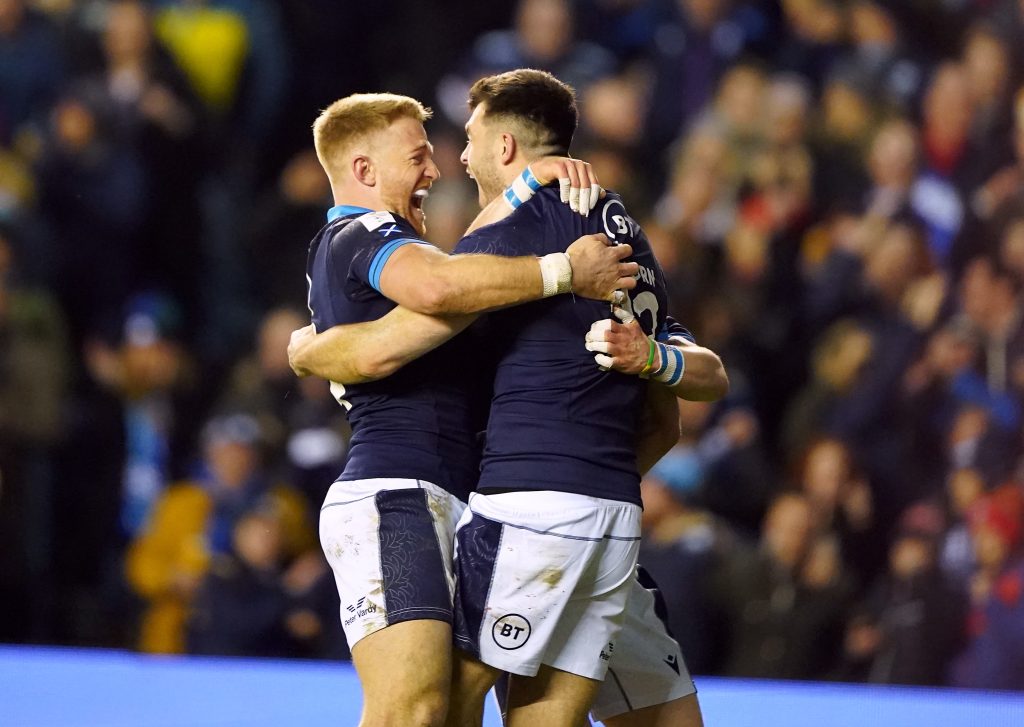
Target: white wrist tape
(673, 364)
(556, 271)
(523, 188)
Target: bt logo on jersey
(511, 632)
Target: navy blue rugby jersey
(419, 423)
(557, 422)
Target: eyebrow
(422, 146)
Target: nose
(464, 157)
(433, 172)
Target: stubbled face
(405, 168)
(480, 156)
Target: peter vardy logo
(358, 611)
(606, 654)
(511, 632)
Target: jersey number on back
(619, 226)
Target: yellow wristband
(650, 360)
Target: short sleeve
(378, 236)
(672, 330)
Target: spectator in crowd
(690, 54)
(35, 371)
(879, 57)
(936, 389)
(144, 377)
(910, 627)
(286, 219)
(965, 487)
(304, 432)
(738, 475)
(31, 67)
(838, 358)
(194, 520)
(987, 61)
(543, 37)
(249, 604)
(813, 39)
(994, 658)
(842, 502)
(152, 113)
(783, 602)
(846, 120)
(681, 548)
(234, 56)
(999, 201)
(990, 297)
(94, 190)
(1011, 251)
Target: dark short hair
(538, 100)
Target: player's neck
(514, 168)
(357, 196)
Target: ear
(507, 152)
(364, 171)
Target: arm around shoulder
(426, 280)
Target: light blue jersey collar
(344, 210)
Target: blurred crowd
(835, 189)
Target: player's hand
(599, 270)
(296, 346)
(620, 346)
(577, 182)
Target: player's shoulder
(369, 228)
(360, 236)
(613, 219)
(523, 223)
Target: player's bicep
(407, 274)
(360, 352)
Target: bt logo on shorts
(511, 632)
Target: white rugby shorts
(389, 543)
(542, 578)
(647, 667)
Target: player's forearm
(659, 429)
(362, 352)
(690, 371)
(704, 378)
(467, 284)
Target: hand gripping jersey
(558, 422)
(417, 423)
